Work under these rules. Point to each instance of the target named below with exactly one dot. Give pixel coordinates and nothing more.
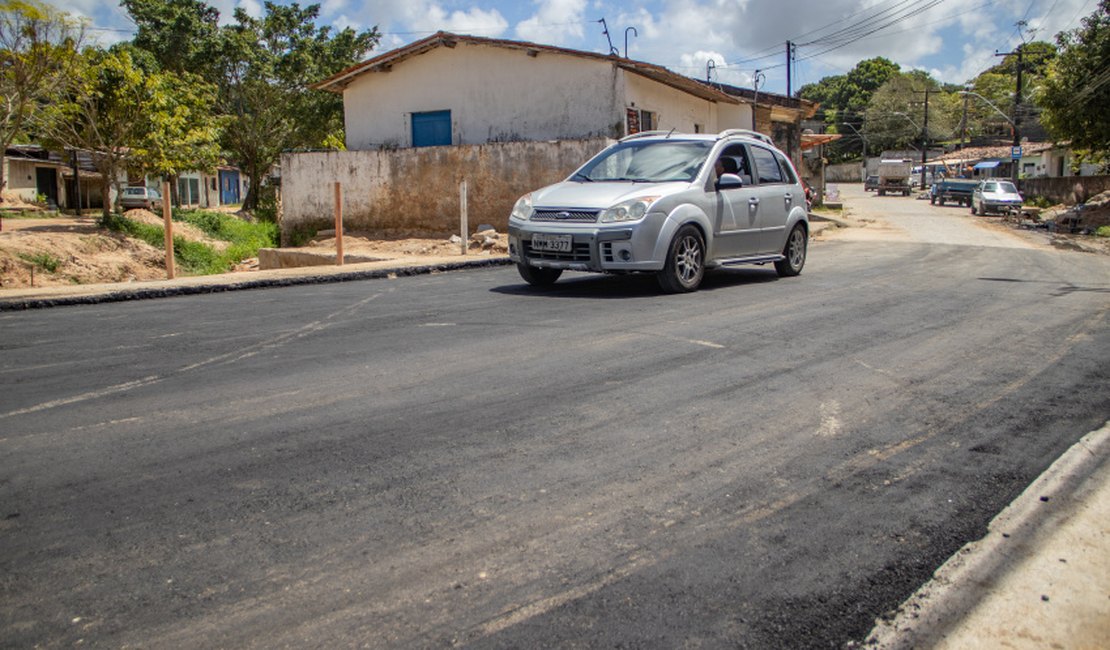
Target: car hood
(599, 195)
(1008, 196)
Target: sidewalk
(38, 297)
(1040, 578)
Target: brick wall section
(417, 190)
(1064, 189)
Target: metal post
(167, 219)
(925, 139)
(789, 53)
(338, 224)
(464, 226)
(1015, 162)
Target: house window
(639, 120)
(431, 129)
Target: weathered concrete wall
(417, 190)
(844, 173)
(1065, 189)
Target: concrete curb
(931, 614)
(200, 286)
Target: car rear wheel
(685, 266)
(794, 252)
(538, 277)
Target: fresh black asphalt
(457, 459)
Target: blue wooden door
(229, 186)
(431, 129)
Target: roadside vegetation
(243, 239)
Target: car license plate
(553, 243)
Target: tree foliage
(38, 51)
(133, 118)
(267, 66)
(1076, 92)
(896, 113)
(844, 98)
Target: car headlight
(633, 210)
(523, 208)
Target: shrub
(199, 258)
(44, 261)
(1103, 231)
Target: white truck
(894, 176)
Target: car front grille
(580, 252)
(568, 216)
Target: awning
(987, 164)
(811, 140)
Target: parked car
(669, 204)
(146, 198)
(995, 196)
(871, 183)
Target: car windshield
(647, 161)
(990, 187)
(1007, 188)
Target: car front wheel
(538, 277)
(794, 252)
(685, 266)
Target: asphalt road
(457, 459)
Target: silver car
(666, 203)
(995, 196)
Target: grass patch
(44, 261)
(244, 239)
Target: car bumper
(1002, 204)
(626, 247)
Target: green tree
(182, 35)
(135, 118)
(896, 113)
(38, 50)
(1076, 92)
(268, 64)
(844, 98)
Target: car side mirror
(729, 182)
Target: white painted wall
(493, 93)
(681, 111)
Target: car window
(647, 161)
(787, 169)
(766, 166)
(735, 161)
(133, 191)
(990, 187)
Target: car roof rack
(746, 132)
(644, 134)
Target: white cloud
(473, 21)
(555, 22)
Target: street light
(988, 102)
(908, 119)
(863, 138)
(1014, 158)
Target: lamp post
(863, 139)
(1011, 122)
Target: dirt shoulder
(62, 250)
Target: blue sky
(952, 39)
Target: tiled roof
(984, 153)
(384, 62)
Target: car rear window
(135, 191)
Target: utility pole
(789, 60)
(1015, 153)
(925, 138)
(963, 133)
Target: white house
(451, 89)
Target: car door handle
(753, 201)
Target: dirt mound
(180, 228)
(58, 257)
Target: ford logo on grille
(562, 215)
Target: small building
(451, 89)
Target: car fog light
(625, 255)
